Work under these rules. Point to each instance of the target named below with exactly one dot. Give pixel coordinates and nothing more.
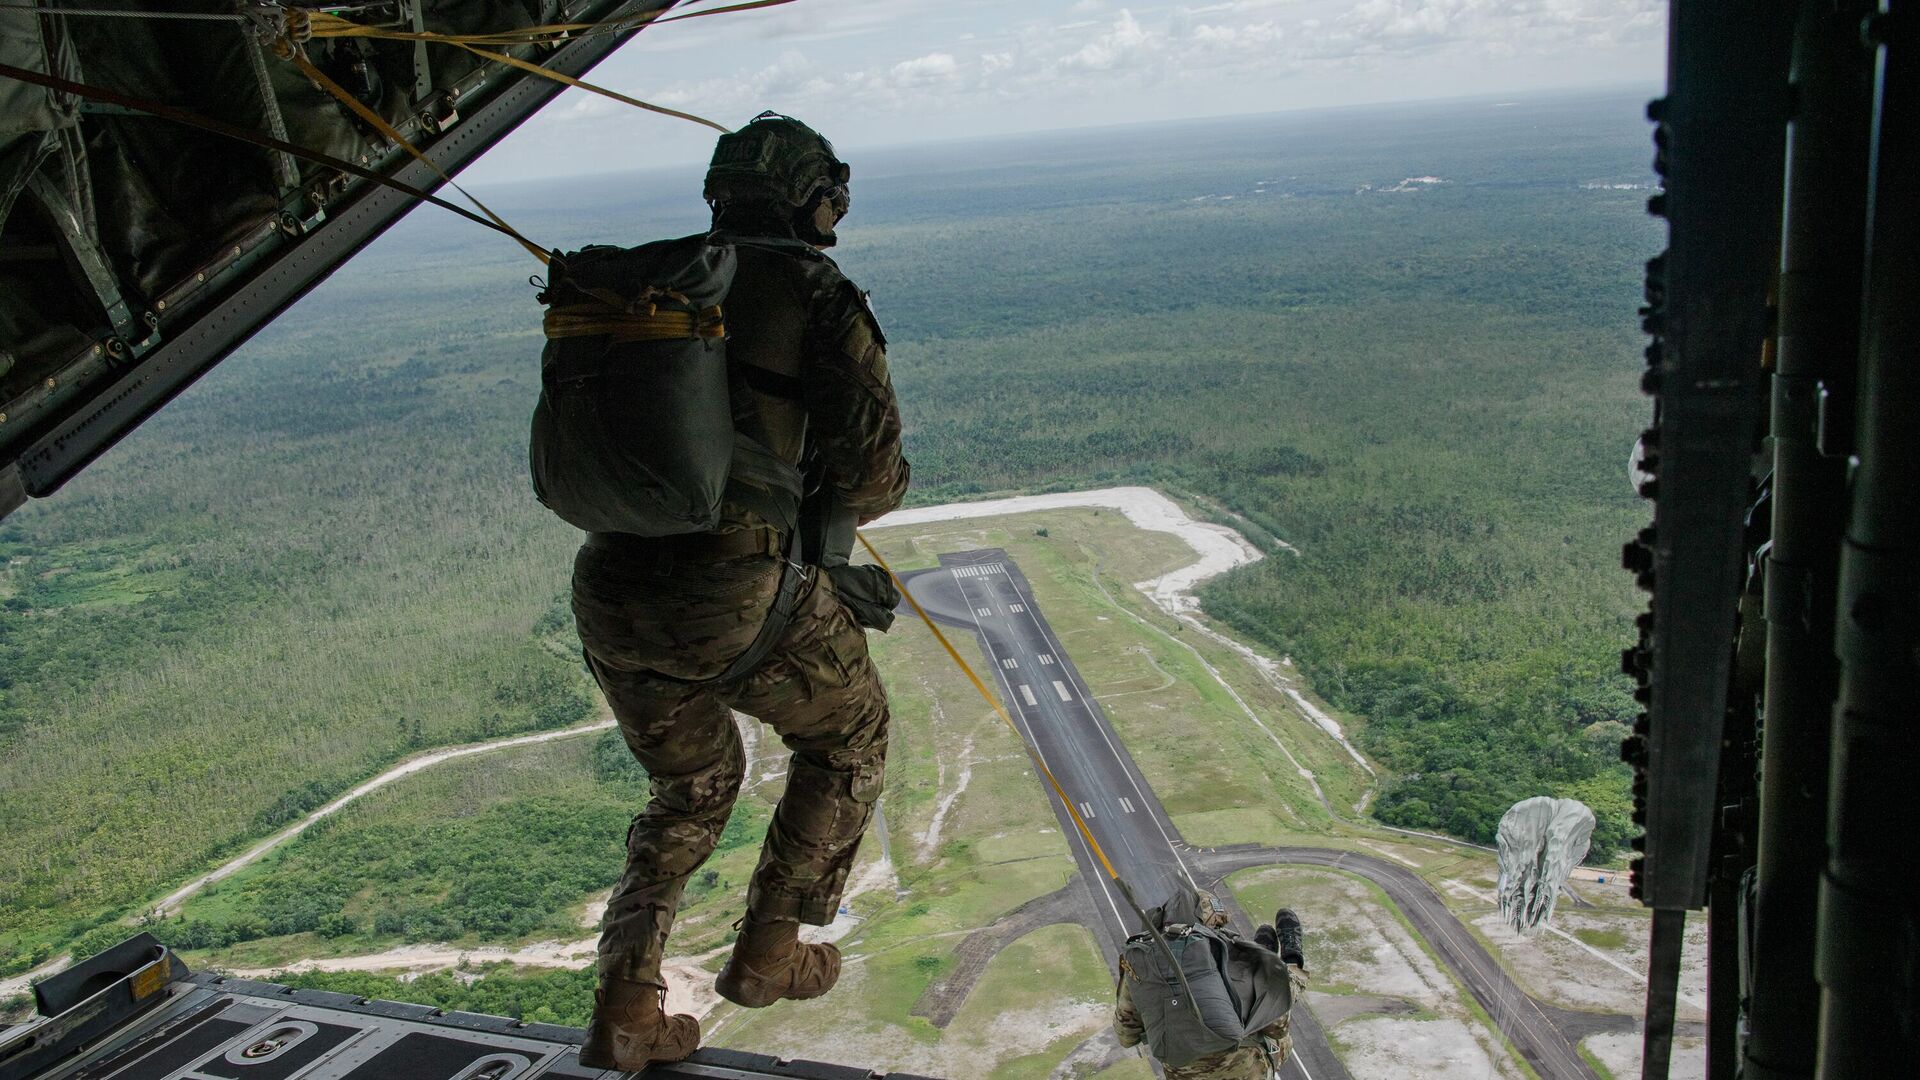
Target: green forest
(326, 556)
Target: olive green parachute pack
(1231, 991)
(633, 432)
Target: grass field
(950, 759)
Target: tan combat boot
(770, 963)
(630, 1030)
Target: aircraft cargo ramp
(142, 1016)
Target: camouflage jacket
(810, 370)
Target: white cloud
(921, 70)
(902, 70)
(1126, 43)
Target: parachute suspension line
(286, 48)
(1033, 753)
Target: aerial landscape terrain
(1324, 418)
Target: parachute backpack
(634, 429)
(1224, 993)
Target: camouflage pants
(651, 634)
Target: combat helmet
(774, 159)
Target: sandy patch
(1220, 548)
(19, 984)
(1351, 941)
(1619, 1051)
(930, 838)
(689, 984)
(1444, 1049)
(825, 1030)
(1389, 853)
(1555, 966)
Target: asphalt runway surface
(983, 591)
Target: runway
(985, 592)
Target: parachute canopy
(1541, 841)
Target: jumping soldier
(1262, 1051)
(666, 621)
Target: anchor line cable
(1039, 763)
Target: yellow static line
(999, 710)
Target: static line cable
(287, 49)
(245, 135)
(581, 84)
(1033, 753)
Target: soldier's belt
(693, 547)
(667, 324)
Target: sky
(891, 72)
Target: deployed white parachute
(1541, 841)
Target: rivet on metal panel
(50, 383)
(200, 277)
(160, 305)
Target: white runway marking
(1047, 659)
(1127, 805)
(1009, 663)
(1016, 608)
(1086, 811)
(983, 611)
(1027, 692)
(980, 571)
(1061, 689)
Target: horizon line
(1594, 90)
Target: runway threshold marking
(1009, 663)
(1046, 659)
(1027, 692)
(1061, 689)
(1016, 608)
(1126, 805)
(981, 570)
(1086, 811)
(983, 611)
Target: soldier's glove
(868, 592)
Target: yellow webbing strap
(581, 84)
(591, 320)
(288, 49)
(1032, 751)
